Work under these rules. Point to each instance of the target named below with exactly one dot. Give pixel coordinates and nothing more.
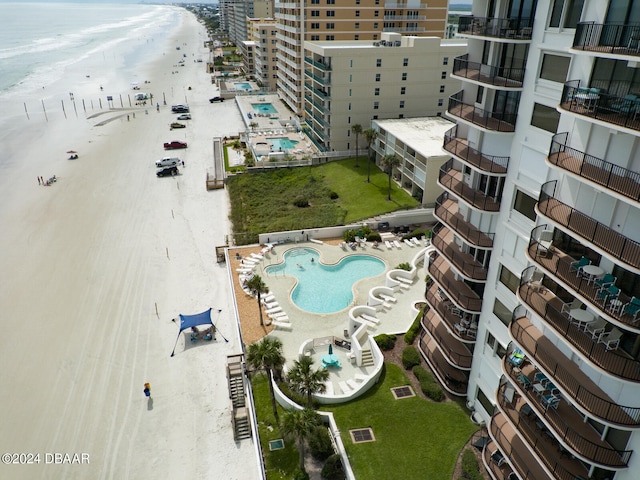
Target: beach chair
(415, 241)
(578, 265)
(388, 244)
(632, 308)
(606, 281)
(388, 298)
(596, 328)
(396, 243)
(407, 242)
(611, 339)
(273, 310)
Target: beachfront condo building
(262, 32)
(237, 13)
(417, 143)
(349, 82)
(329, 20)
(533, 290)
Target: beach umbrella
(330, 349)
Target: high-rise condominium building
(262, 39)
(327, 20)
(534, 310)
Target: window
(479, 94)
(440, 102)
(403, 90)
(485, 402)
(376, 91)
(357, 25)
(331, 13)
(491, 341)
(331, 2)
(404, 76)
(375, 117)
(377, 77)
(445, 61)
(375, 27)
(356, 37)
(544, 117)
(443, 75)
(405, 62)
(524, 204)
(554, 68)
(376, 105)
(378, 62)
(357, 13)
(401, 103)
(329, 37)
(315, 13)
(315, 37)
(376, 13)
(331, 26)
(442, 88)
(315, 2)
(357, 2)
(568, 13)
(401, 115)
(501, 351)
(502, 312)
(508, 279)
(315, 26)
(375, 36)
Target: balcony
(447, 212)
(323, 95)
(609, 109)
(622, 249)
(617, 179)
(611, 38)
(565, 374)
(492, 121)
(546, 305)
(557, 264)
(466, 265)
(457, 290)
(453, 180)
(452, 379)
(517, 29)
(319, 65)
(486, 163)
(455, 352)
(450, 314)
(320, 80)
(497, 470)
(565, 423)
(526, 465)
(487, 74)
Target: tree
(305, 380)
(357, 130)
(267, 355)
(300, 424)
(389, 162)
(257, 287)
(370, 135)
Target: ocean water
(50, 50)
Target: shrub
(332, 469)
(428, 384)
(385, 342)
(404, 266)
(333, 195)
(470, 469)
(374, 237)
(349, 236)
(301, 475)
(410, 357)
(301, 202)
(320, 443)
(413, 331)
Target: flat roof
(423, 134)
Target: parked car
(180, 108)
(216, 99)
(174, 145)
(168, 171)
(184, 116)
(168, 162)
(177, 125)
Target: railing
(495, 121)
(622, 248)
(517, 28)
(603, 455)
(609, 175)
(460, 189)
(471, 269)
(615, 38)
(316, 91)
(522, 465)
(441, 307)
(322, 80)
(600, 106)
(457, 359)
(602, 408)
(315, 104)
(455, 386)
(487, 163)
(498, 76)
(317, 64)
(453, 288)
(404, 18)
(463, 228)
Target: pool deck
(306, 326)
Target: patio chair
(611, 339)
(544, 241)
(632, 308)
(573, 305)
(596, 328)
(550, 401)
(578, 265)
(606, 281)
(541, 378)
(626, 105)
(607, 294)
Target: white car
(167, 162)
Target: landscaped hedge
(320, 444)
(385, 342)
(413, 331)
(333, 469)
(470, 469)
(410, 357)
(428, 384)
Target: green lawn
(266, 201)
(415, 438)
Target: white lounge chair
(407, 242)
(388, 244)
(388, 298)
(415, 241)
(352, 383)
(397, 244)
(269, 305)
(404, 280)
(369, 318)
(344, 387)
(281, 325)
(257, 256)
(268, 298)
(279, 315)
(273, 310)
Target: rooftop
(423, 134)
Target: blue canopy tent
(188, 321)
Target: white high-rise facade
(534, 314)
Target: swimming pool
(283, 143)
(264, 108)
(325, 288)
(242, 86)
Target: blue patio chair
(607, 294)
(632, 308)
(605, 281)
(627, 105)
(578, 265)
(550, 401)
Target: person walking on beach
(147, 390)
(39, 183)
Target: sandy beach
(95, 269)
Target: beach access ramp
(215, 175)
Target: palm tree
(370, 135)
(300, 425)
(257, 287)
(357, 129)
(389, 162)
(267, 355)
(306, 380)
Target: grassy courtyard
(336, 193)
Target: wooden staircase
(239, 413)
